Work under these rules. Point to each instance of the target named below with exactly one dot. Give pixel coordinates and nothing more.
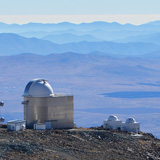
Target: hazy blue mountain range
(152, 55)
(12, 44)
(82, 27)
(150, 38)
(87, 77)
(34, 34)
(40, 34)
(64, 26)
(114, 35)
(101, 30)
(98, 33)
(69, 38)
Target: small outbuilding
(39, 126)
(16, 125)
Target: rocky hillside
(77, 144)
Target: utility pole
(1, 105)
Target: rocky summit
(77, 144)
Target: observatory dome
(38, 88)
(112, 118)
(130, 120)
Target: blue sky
(62, 7)
(23, 11)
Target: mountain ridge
(70, 38)
(14, 44)
(82, 26)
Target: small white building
(112, 123)
(16, 125)
(39, 126)
(131, 125)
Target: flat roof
(16, 121)
(40, 124)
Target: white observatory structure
(112, 123)
(115, 124)
(131, 125)
(41, 105)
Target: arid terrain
(77, 144)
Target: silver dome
(130, 120)
(38, 88)
(112, 118)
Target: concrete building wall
(112, 124)
(131, 127)
(58, 109)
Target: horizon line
(78, 19)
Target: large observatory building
(41, 105)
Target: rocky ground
(77, 144)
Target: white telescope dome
(130, 120)
(112, 118)
(38, 88)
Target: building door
(48, 125)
